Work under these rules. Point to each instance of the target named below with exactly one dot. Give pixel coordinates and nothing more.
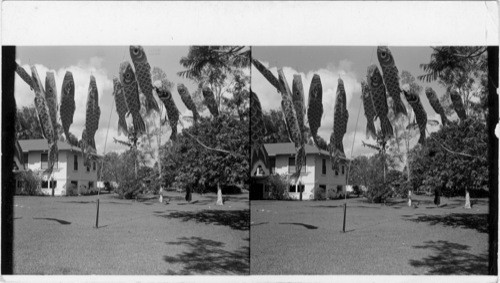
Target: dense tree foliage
(213, 152)
(455, 159)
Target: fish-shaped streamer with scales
(391, 79)
(292, 124)
(188, 100)
(24, 75)
(44, 118)
(143, 75)
(378, 92)
(457, 103)
(172, 112)
(369, 110)
(131, 91)
(121, 106)
(436, 105)
(93, 112)
(341, 116)
(257, 132)
(299, 104)
(315, 106)
(209, 97)
(67, 107)
(51, 98)
(420, 114)
(267, 74)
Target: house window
(323, 166)
(91, 185)
(94, 166)
(291, 165)
(291, 189)
(343, 170)
(339, 189)
(88, 168)
(25, 158)
(75, 162)
(53, 184)
(336, 172)
(272, 164)
(45, 184)
(44, 161)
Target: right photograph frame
(372, 160)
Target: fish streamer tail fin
(370, 130)
(399, 108)
(173, 135)
(122, 126)
(139, 125)
(421, 140)
(300, 160)
(386, 127)
(444, 120)
(151, 105)
(52, 157)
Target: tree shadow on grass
(478, 222)
(308, 226)
(235, 219)
(208, 257)
(451, 258)
(63, 222)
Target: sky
(331, 63)
(103, 63)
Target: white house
(68, 173)
(317, 180)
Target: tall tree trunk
(219, 195)
(467, 199)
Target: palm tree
(215, 66)
(461, 67)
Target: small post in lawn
(97, 215)
(345, 210)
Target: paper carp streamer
(45, 120)
(24, 75)
(143, 74)
(377, 90)
(131, 91)
(457, 103)
(51, 98)
(188, 101)
(258, 155)
(267, 74)
(391, 79)
(420, 114)
(67, 106)
(209, 96)
(315, 107)
(369, 111)
(298, 102)
(92, 115)
(172, 112)
(121, 106)
(291, 122)
(341, 115)
(434, 102)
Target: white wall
(64, 172)
(81, 175)
(312, 176)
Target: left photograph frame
(167, 125)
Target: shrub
(278, 187)
(31, 183)
(71, 190)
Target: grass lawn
(293, 237)
(55, 235)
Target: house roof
(41, 145)
(274, 149)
